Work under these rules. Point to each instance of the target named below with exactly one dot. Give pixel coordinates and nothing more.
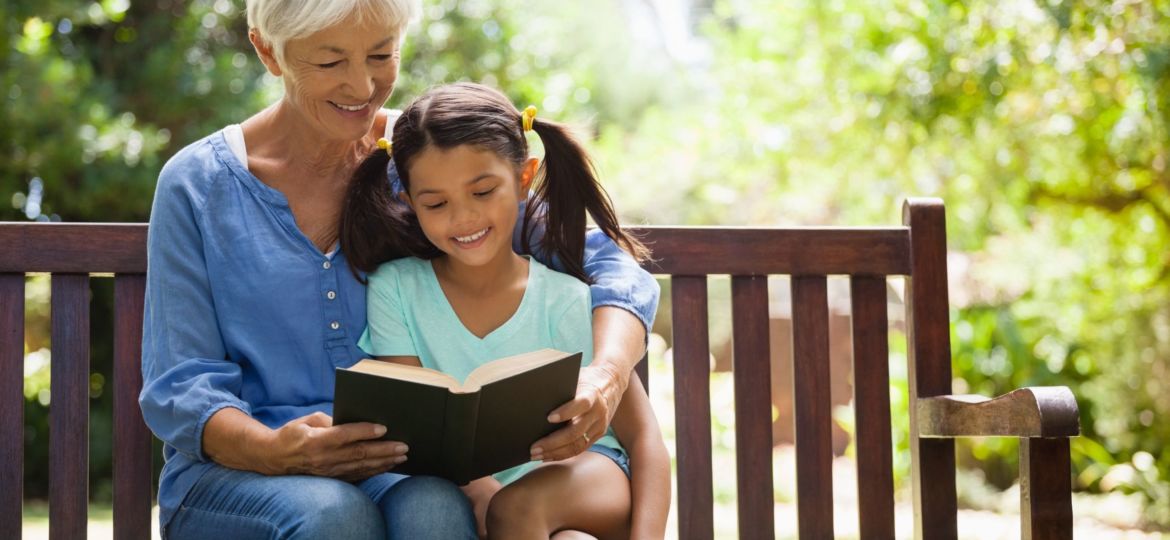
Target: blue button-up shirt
(243, 310)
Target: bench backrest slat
(692, 378)
(753, 405)
(871, 407)
(69, 408)
(929, 361)
(132, 439)
(695, 251)
(812, 406)
(11, 403)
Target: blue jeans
(227, 503)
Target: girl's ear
(265, 52)
(405, 197)
(527, 174)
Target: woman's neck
(279, 135)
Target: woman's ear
(527, 174)
(265, 52)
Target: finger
(350, 433)
(578, 406)
(565, 442)
(360, 470)
(379, 450)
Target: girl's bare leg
(586, 493)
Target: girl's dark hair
(376, 228)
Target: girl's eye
(484, 193)
(435, 206)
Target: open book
(460, 430)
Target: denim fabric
(619, 457)
(227, 503)
(243, 311)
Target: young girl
(464, 296)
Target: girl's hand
(312, 445)
(599, 391)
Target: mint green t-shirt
(408, 315)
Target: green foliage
(1044, 124)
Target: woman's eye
(380, 57)
(329, 64)
(484, 193)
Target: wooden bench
(1042, 418)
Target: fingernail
(554, 418)
(399, 459)
(401, 448)
(380, 430)
(536, 457)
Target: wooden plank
(121, 248)
(11, 403)
(1033, 411)
(132, 440)
(812, 406)
(929, 369)
(753, 406)
(69, 409)
(692, 407)
(794, 250)
(1045, 489)
(871, 407)
(73, 247)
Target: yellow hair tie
(384, 144)
(528, 117)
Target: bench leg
(1045, 489)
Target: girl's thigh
(248, 505)
(587, 493)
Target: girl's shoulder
(397, 270)
(557, 288)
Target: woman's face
(339, 77)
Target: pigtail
(375, 226)
(567, 189)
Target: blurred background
(1043, 124)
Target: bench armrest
(1039, 411)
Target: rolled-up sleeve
(186, 376)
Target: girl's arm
(637, 429)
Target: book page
(407, 373)
(508, 366)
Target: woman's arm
(190, 395)
(637, 429)
(624, 299)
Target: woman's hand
(312, 445)
(599, 391)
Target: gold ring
(586, 436)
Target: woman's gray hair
(279, 21)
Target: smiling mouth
(471, 237)
(350, 108)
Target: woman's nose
(360, 80)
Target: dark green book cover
(454, 434)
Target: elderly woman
(250, 306)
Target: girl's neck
(501, 273)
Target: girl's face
(339, 77)
(468, 200)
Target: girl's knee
(516, 503)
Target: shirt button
(326, 265)
(335, 325)
(331, 295)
